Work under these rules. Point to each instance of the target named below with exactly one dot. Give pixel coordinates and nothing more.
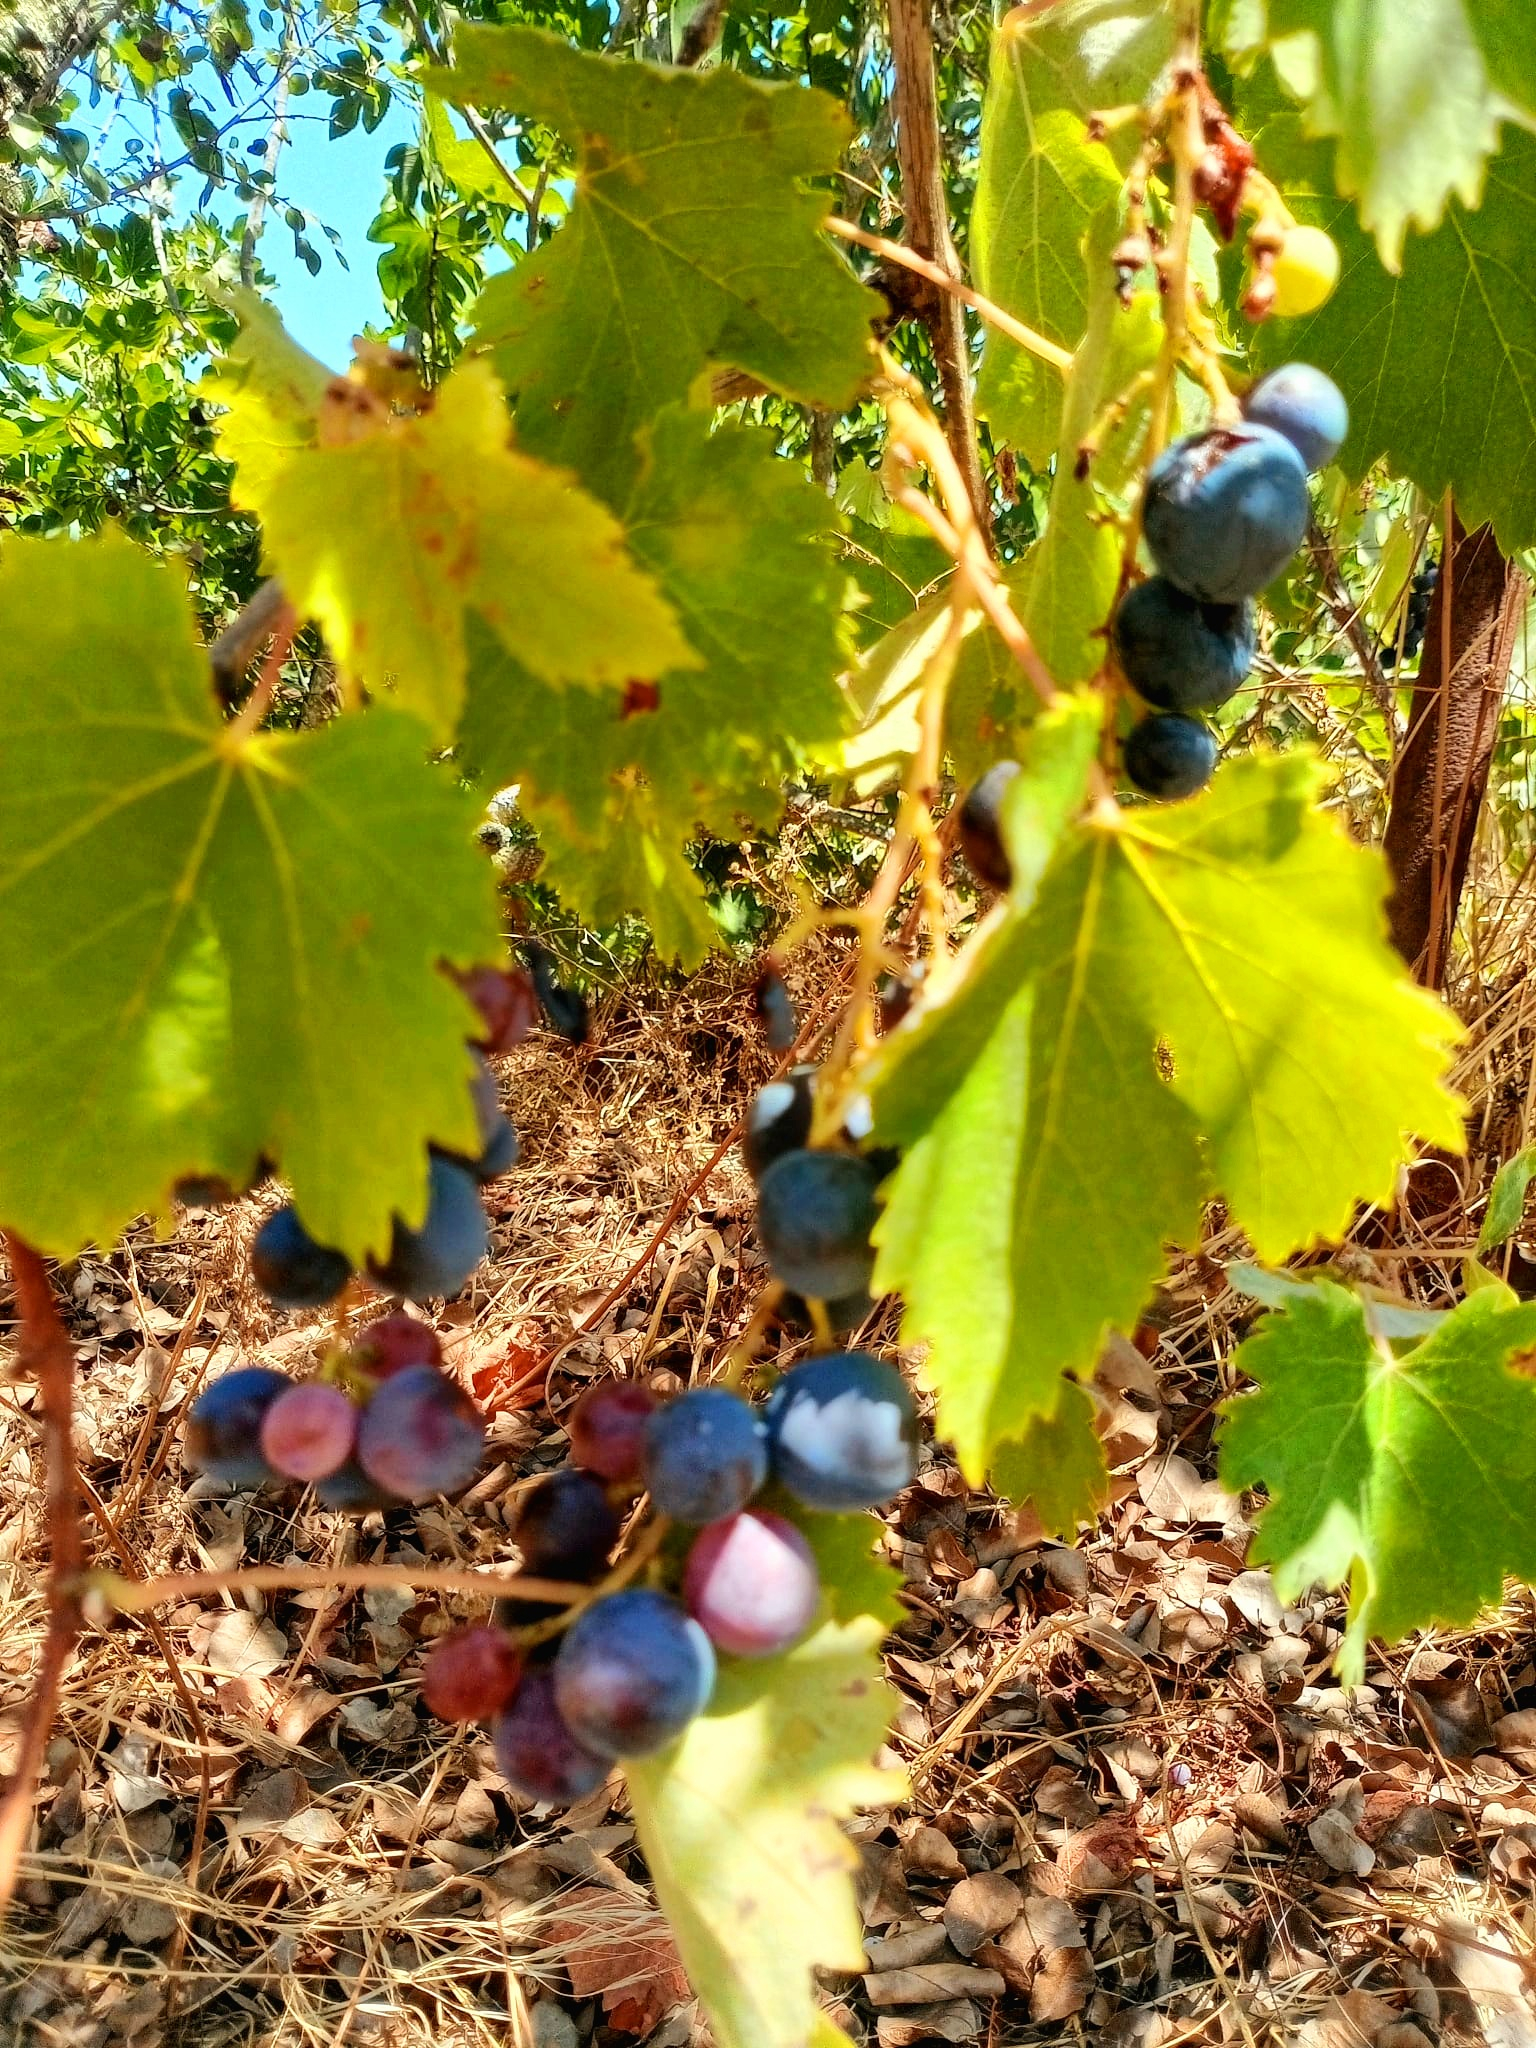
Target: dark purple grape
(566, 1527)
(607, 1429)
(779, 1119)
(470, 1675)
(223, 1433)
(981, 826)
(1306, 406)
(1169, 756)
(1225, 511)
(842, 1432)
(815, 1211)
(705, 1455)
(536, 1752)
(392, 1343)
(1179, 654)
(751, 1584)
(505, 998)
(309, 1431)
(565, 1008)
(420, 1435)
(452, 1241)
(775, 1009)
(290, 1268)
(501, 1153)
(632, 1671)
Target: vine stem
(259, 703)
(46, 1349)
(897, 252)
(132, 1596)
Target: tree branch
(925, 229)
(46, 1349)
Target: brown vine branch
(925, 229)
(133, 1596)
(45, 1349)
(893, 252)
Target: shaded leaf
(1450, 402)
(1042, 182)
(737, 540)
(1506, 1200)
(1401, 84)
(1057, 1466)
(692, 240)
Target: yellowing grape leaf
(1042, 182)
(216, 946)
(739, 542)
(692, 240)
(1405, 1469)
(1449, 398)
(1199, 998)
(1057, 1466)
(1404, 87)
(738, 1822)
(387, 512)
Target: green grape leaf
(386, 515)
(1407, 1472)
(1057, 1466)
(1402, 85)
(1506, 1200)
(1042, 182)
(1450, 402)
(1199, 998)
(738, 541)
(1071, 575)
(989, 698)
(692, 240)
(1503, 31)
(738, 1823)
(218, 946)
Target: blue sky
(340, 181)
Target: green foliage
(1506, 1200)
(197, 922)
(1450, 402)
(692, 241)
(1405, 1468)
(1043, 182)
(1057, 1465)
(1190, 986)
(387, 513)
(737, 541)
(738, 1820)
(1402, 85)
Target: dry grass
(1131, 1730)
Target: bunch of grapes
(737, 1577)
(380, 1423)
(295, 1271)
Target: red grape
(535, 1750)
(750, 1582)
(470, 1675)
(420, 1435)
(607, 1428)
(393, 1343)
(309, 1430)
(506, 1001)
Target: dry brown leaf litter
(1142, 1811)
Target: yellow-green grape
(1305, 271)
